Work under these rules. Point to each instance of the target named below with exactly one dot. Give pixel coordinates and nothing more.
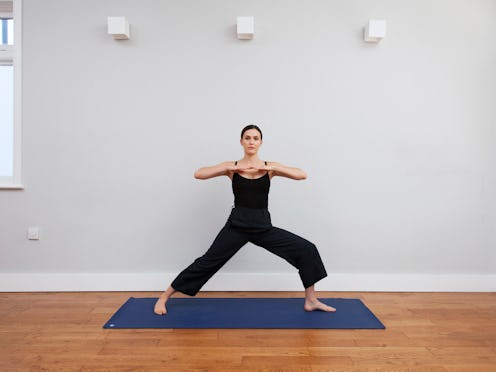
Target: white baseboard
(61, 282)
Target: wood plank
(424, 332)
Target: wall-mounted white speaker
(118, 27)
(375, 31)
(245, 27)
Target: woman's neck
(251, 159)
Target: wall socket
(34, 233)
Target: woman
(250, 222)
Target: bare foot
(160, 308)
(312, 305)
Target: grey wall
(398, 138)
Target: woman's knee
(307, 252)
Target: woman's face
(251, 141)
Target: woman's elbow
(301, 176)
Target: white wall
(398, 140)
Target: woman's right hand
(239, 169)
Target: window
(6, 122)
(7, 31)
(10, 94)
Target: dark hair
(251, 126)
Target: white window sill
(11, 186)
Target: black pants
(299, 252)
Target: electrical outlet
(34, 233)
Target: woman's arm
(222, 169)
(278, 169)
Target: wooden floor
(424, 332)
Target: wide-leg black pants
(298, 251)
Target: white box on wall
(375, 30)
(118, 27)
(245, 27)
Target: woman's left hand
(265, 168)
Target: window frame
(11, 55)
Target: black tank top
(251, 193)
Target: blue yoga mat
(243, 313)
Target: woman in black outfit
(249, 221)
